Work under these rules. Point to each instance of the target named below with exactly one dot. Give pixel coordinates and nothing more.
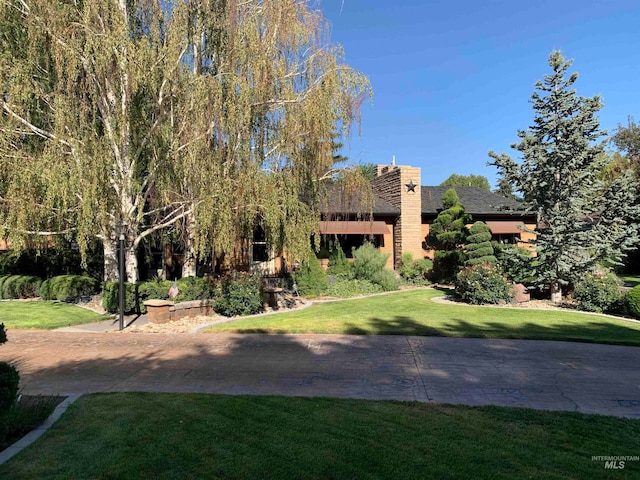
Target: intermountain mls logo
(615, 462)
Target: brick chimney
(400, 186)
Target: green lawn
(45, 315)
(413, 313)
(631, 280)
(167, 436)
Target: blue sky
(452, 79)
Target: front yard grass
(414, 313)
(163, 436)
(44, 315)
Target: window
(259, 245)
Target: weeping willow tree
(205, 116)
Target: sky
(452, 79)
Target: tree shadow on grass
(593, 331)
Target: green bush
(483, 283)
(19, 286)
(9, 381)
(240, 294)
(196, 288)
(632, 301)
(415, 272)
(67, 287)
(446, 265)
(310, 279)
(598, 291)
(369, 263)
(345, 288)
(3, 334)
(338, 263)
(110, 299)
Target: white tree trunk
(131, 264)
(556, 292)
(189, 265)
(110, 260)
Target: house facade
(403, 211)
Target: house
(403, 211)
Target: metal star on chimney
(411, 187)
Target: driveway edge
(35, 434)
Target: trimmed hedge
(111, 297)
(632, 301)
(68, 287)
(19, 286)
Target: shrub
(240, 295)
(195, 288)
(338, 263)
(310, 278)
(3, 334)
(598, 292)
(110, 299)
(369, 263)
(415, 272)
(67, 287)
(478, 247)
(632, 301)
(482, 283)
(344, 288)
(9, 381)
(446, 265)
(19, 286)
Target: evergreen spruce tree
(479, 248)
(582, 220)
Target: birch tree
(200, 115)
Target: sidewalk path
(525, 373)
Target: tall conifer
(582, 221)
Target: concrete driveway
(524, 373)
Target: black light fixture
(121, 228)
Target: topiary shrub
(110, 299)
(68, 287)
(240, 294)
(310, 279)
(483, 283)
(9, 382)
(478, 247)
(369, 263)
(632, 301)
(598, 291)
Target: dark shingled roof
(334, 202)
(475, 201)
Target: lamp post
(121, 229)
